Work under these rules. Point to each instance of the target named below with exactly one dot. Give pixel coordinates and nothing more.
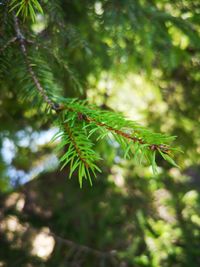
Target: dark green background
(139, 57)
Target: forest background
(140, 58)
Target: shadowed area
(140, 58)
(38, 224)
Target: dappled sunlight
(12, 199)
(162, 198)
(99, 133)
(117, 176)
(131, 95)
(13, 230)
(43, 244)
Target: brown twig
(20, 37)
(164, 148)
(12, 40)
(83, 248)
(68, 130)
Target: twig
(80, 248)
(83, 248)
(164, 148)
(67, 128)
(37, 83)
(153, 147)
(12, 40)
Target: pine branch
(84, 111)
(136, 141)
(80, 153)
(83, 248)
(82, 158)
(78, 121)
(33, 76)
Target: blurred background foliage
(139, 57)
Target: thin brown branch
(164, 148)
(83, 248)
(79, 247)
(11, 41)
(33, 76)
(67, 128)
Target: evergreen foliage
(139, 57)
(77, 120)
(26, 8)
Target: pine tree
(33, 66)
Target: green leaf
(38, 6)
(153, 163)
(26, 8)
(168, 158)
